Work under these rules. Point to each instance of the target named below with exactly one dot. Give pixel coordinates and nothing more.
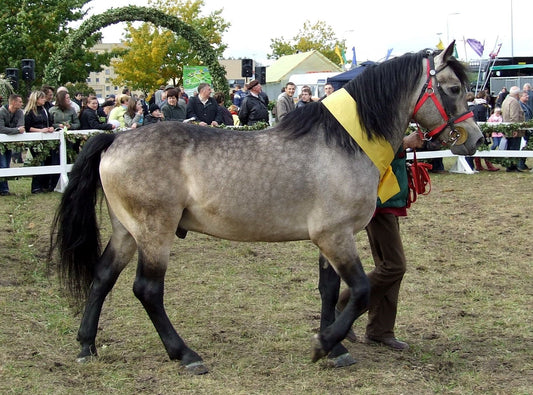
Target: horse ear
(448, 52)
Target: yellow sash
(344, 108)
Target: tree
(140, 65)
(144, 67)
(34, 30)
(318, 36)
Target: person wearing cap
(253, 107)
(155, 115)
(203, 108)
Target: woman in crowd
(224, 114)
(37, 119)
(116, 116)
(63, 115)
(134, 115)
(90, 119)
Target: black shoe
(37, 190)
(514, 170)
(5, 193)
(391, 342)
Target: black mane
(379, 91)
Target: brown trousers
(387, 250)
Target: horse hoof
(317, 351)
(85, 359)
(196, 368)
(342, 361)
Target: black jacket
(207, 113)
(89, 119)
(253, 110)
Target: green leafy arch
(52, 72)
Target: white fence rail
(62, 169)
(461, 166)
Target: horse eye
(455, 90)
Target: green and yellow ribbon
(344, 108)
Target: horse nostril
(479, 142)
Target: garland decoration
(52, 72)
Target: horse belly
(247, 218)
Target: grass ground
(251, 309)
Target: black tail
(75, 231)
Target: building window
(97, 79)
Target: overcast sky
(371, 26)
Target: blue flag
(476, 46)
(354, 59)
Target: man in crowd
(328, 90)
(512, 112)
(253, 107)
(285, 102)
(203, 108)
(11, 122)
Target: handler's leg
(390, 265)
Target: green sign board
(194, 76)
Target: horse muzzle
(464, 140)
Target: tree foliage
(206, 54)
(318, 36)
(147, 66)
(35, 29)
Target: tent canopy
(339, 80)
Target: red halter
(428, 92)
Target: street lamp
(448, 25)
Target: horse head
(442, 109)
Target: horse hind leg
(118, 252)
(149, 289)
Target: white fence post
(63, 162)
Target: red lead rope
(418, 180)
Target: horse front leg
(329, 285)
(344, 259)
(149, 289)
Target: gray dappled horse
(305, 179)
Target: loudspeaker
(261, 75)
(247, 67)
(28, 69)
(13, 76)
